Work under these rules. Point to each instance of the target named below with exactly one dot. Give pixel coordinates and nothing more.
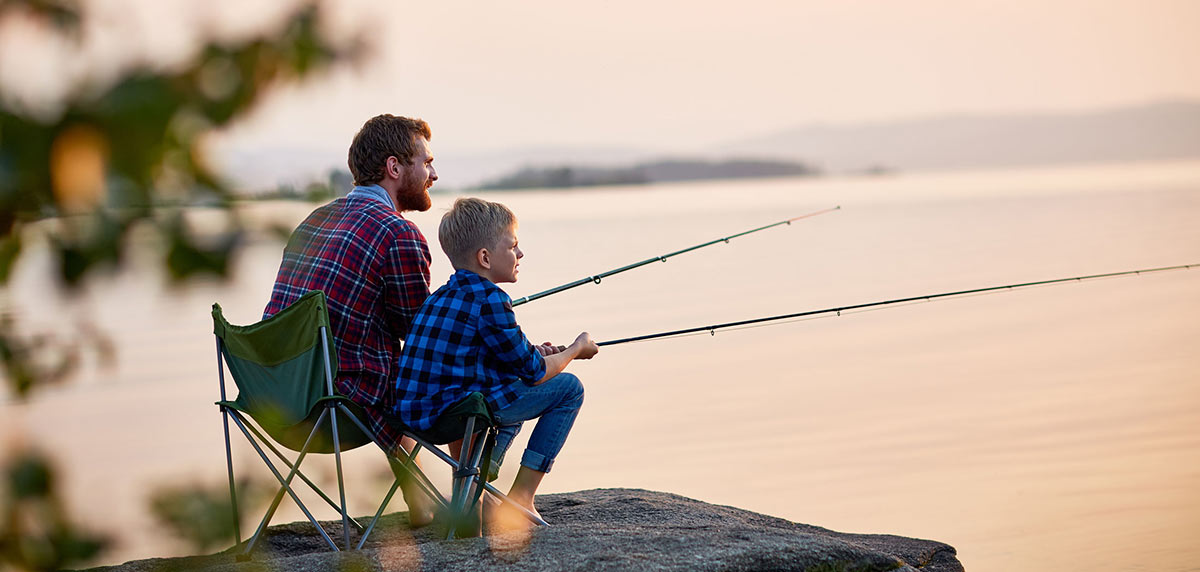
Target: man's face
(415, 180)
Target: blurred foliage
(35, 533)
(125, 155)
(129, 154)
(62, 14)
(203, 515)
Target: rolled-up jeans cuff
(536, 461)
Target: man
(373, 266)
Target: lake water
(1050, 428)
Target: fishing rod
(661, 258)
(713, 328)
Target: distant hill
(1161, 131)
(1168, 130)
(645, 173)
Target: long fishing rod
(661, 258)
(713, 328)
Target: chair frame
(469, 482)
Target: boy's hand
(549, 349)
(587, 348)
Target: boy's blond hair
(472, 224)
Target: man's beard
(413, 196)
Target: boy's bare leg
(420, 506)
(506, 519)
(525, 487)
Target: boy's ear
(483, 258)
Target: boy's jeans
(554, 403)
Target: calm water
(1051, 428)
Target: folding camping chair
(283, 368)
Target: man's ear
(483, 258)
(394, 168)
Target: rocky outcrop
(604, 529)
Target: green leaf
(29, 476)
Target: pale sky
(669, 74)
(674, 75)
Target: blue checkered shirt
(465, 338)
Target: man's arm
(405, 282)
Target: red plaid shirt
(373, 266)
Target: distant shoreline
(645, 173)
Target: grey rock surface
(602, 529)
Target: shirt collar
(375, 192)
(465, 276)
(469, 278)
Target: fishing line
(595, 279)
(870, 306)
(827, 316)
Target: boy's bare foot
(524, 488)
(504, 518)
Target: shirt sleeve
(506, 343)
(405, 281)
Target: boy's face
(506, 257)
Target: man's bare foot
(418, 519)
(421, 508)
(420, 512)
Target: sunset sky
(666, 75)
(659, 73)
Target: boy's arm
(508, 345)
(504, 342)
(582, 348)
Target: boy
(465, 338)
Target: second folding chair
(283, 369)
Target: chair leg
(282, 458)
(237, 520)
(461, 481)
(337, 456)
(446, 458)
(285, 486)
(409, 466)
(378, 513)
(475, 464)
(237, 525)
(406, 463)
(422, 481)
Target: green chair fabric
(280, 374)
(449, 425)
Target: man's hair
(381, 137)
(472, 224)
